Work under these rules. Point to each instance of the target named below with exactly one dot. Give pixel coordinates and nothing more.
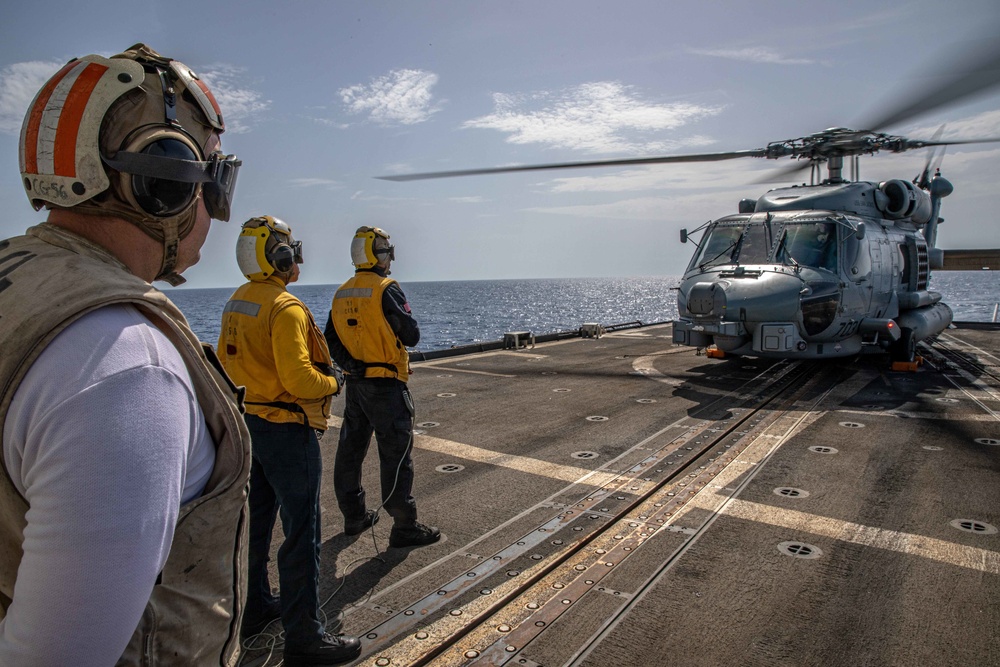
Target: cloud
(21, 81)
(600, 117)
(18, 85)
(401, 97)
(685, 177)
(753, 54)
(240, 105)
(468, 200)
(327, 183)
(668, 210)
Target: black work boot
(413, 535)
(253, 626)
(356, 527)
(326, 650)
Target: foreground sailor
(270, 343)
(369, 329)
(125, 459)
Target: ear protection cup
(159, 197)
(282, 258)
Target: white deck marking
(526, 464)
(440, 364)
(931, 548)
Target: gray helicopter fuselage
(812, 271)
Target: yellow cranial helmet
(370, 246)
(266, 247)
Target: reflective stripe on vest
(363, 330)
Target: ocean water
(463, 312)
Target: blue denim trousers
(284, 479)
(382, 406)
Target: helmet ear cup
(160, 197)
(282, 258)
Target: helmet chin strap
(171, 242)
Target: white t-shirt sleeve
(105, 440)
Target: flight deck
(619, 500)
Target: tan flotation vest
(363, 330)
(48, 279)
(247, 354)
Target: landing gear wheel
(905, 349)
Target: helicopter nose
(758, 297)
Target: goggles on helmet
(390, 250)
(217, 173)
(281, 227)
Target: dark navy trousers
(284, 479)
(382, 406)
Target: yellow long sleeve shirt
(270, 344)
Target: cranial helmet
(126, 136)
(266, 247)
(370, 246)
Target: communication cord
(272, 642)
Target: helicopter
(833, 268)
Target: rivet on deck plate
(504, 628)
(472, 654)
(382, 662)
(421, 635)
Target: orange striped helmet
(61, 138)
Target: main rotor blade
(956, 142)
(697, 157)
(977, 73)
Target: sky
(322, 97)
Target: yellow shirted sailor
(369, 329)
(270, 344)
